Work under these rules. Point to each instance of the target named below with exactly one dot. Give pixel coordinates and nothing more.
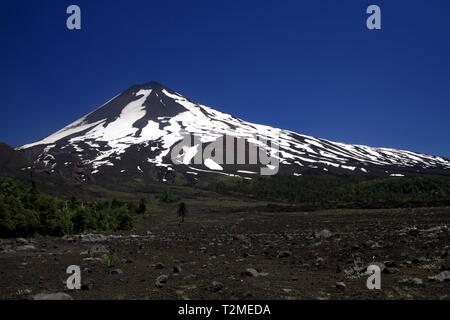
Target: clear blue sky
(309, 66)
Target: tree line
(326, 192)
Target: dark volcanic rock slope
(132, 136)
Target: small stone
(116, 271)
(176, 269)
(341, 285)
(323, 234)
(420, 260)
(22, 241)
(215, 286)
(412, 281)
(159, 266)
(413, 232)
(284, 254)
(161, 281)
(251, 272)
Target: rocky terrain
(241, 255)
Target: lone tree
(182, 210)
(142, 208)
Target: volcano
(133, 136)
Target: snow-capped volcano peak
(141, 126)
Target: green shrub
(26, 212)
(111, 260)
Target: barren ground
(292, 262)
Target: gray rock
(444, 276)
(420, 260)
(27, 247)
(323, 234)
(90, 237)
(6, 249)
(24, 292)
(251, 272)
(437, 229)
(284, 254)
(116, 271)
(98, 249)
(52, 296)
(159, 266)
(215, 286)
(412, 281)
(161, 281)
(341, 285)
(22, 241)
(239, 237)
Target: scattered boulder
(116, 271)
(413, 232)
(341, 285)
(6, 249)
(27, 247)
(161, 281)
(437, 230)
(90, 237)
(323, 234)
(176, 269)
(239, 237)
(284, 254)
(98, 249)
(412, 281)
(23, 292)
(52, 296)
(444, 276)
(215, 286)
(159, 266)
(251, 272)
(420, 260)
(22, 241)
